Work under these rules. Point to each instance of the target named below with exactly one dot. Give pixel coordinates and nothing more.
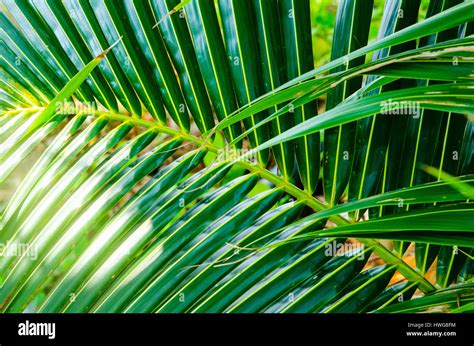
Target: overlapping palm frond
(139, 204)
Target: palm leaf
(130, 208)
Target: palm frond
(138, 204)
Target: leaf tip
(104, 53)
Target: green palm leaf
(135, 204)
